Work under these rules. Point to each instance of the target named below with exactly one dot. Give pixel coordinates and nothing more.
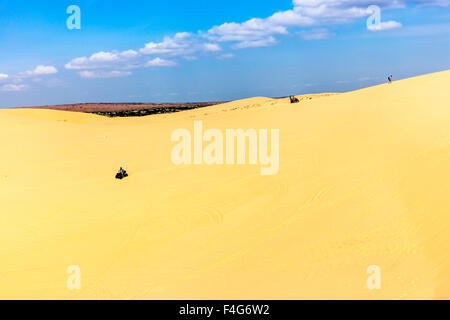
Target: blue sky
(198, 50)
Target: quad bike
(121, 175)
(294, 99)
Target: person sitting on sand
(390, 79)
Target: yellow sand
(364, 180)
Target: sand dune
(364, 180)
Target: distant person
(390, 79)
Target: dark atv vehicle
(121, 174)
(293, 99)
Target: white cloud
(290, 18)
(129, 54)
(387, 25)
(14, 87)
(177, 45)
(316, 34)
(158, 62)
(212, 47)
(3, 76)
(252, 33)
(181, 44)
(39, 71)
(260, 32)
(104, 57)
(100, 60)
(265, 42)
(103, 74)
(253, 29)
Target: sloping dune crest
(364, 179)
